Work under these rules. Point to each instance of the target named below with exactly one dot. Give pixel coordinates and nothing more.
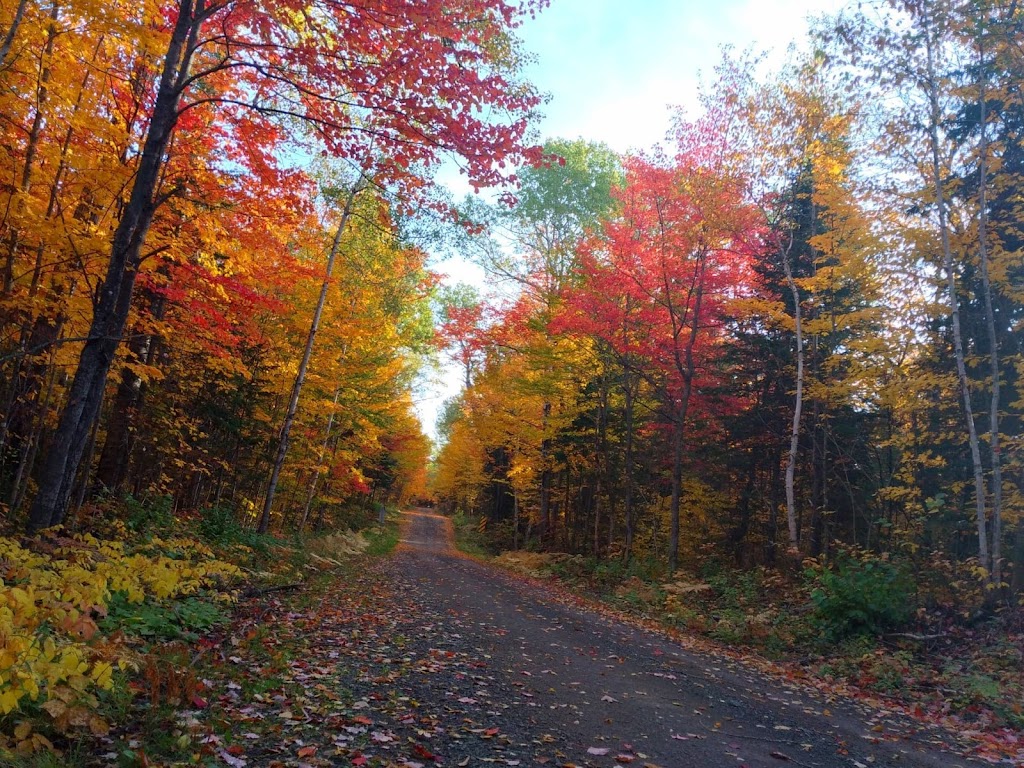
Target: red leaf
(422, 752)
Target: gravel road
(510, 673)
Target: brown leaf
(98, 726)
(55, 707)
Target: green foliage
(647, 568)
(166, 620)
(383, 539)
(731, 627)
(148, 516)
(735, 589)
(888, 673)
(571, 192)
(468, 536)
(859, 595)
(219, 525)
(608, 573)
(75, 757)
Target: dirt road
(542, 680)
(427, 658)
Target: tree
(307, 352)
(268, 62)
(680, 250)
(460, 312)
(562, 197)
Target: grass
(469, 539)
(383, 538)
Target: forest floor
(429, 657)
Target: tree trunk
(117, 446)
(990, 327)
(31, 148)
(630, 470)
(798, 404)
(601, 448)
(773, 505)
(678, 432)
(307, 353)
(115, 294)
(545, 475)
(515, 520)
(311, 491)
(679, 428)
(818, 452)
(12, 32)
(25, 403)
(27, 463)
(935, 119)
(742, 527)
(83, 485)
(1017, 584)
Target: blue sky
(613, 68)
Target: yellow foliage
(47, 607)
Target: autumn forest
(783, 349)
(794, 332)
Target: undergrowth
(858, 619)
(100, 627)
(470, 536)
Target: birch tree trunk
(798, 405)
(307, 353)
(990, 325)
(934, 120)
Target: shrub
(169, 620)
(53, 655)
(219, 525)
(859, 595)
(148, 516)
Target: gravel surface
(431, 658)
(558, 684)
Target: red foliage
(657, 285)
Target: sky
(613, 71)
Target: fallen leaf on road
(234, 762)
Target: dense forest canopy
(796, 331)
(793, 329)
(761, 382)
(208, 293)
